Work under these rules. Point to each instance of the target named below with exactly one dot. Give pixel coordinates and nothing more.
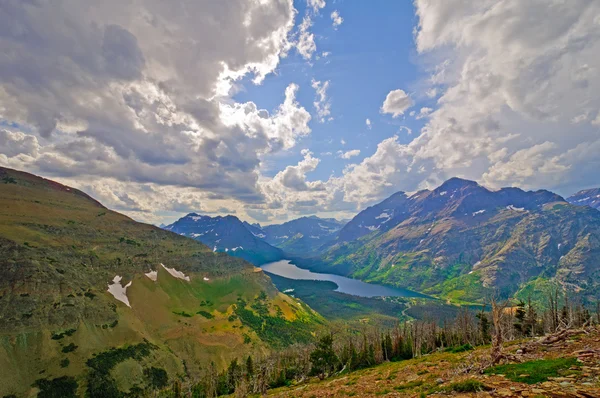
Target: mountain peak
(456, 183)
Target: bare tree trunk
(498, 338)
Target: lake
(345, 285)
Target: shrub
(157, 377)
(69, 348)
(60, 387)
(470, 385)
(205, 314)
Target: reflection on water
(345, 285)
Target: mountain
(462, 241)
(303, 235)
(92, 300)
(227, 234)
(255, 229)
(587, 197)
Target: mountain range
(91, 297)
(227, 234)
(464, 242)
(587, 197)
(460, 241)
(255, 243)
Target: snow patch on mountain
(175, 273)
(118, 291)
(153, 275)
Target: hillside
(303, 235)
(586, 197)
(562, 370)
(462, 241)
(91, 297)
(227, 234)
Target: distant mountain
(463, 241)
(587, 197)
(91, 298)
(255, 229)
(303, 235)
(227, 234)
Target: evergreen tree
(520, 318)
(323, 358)
(483, 325)
(249, 367)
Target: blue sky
(371, 52)
(157, 109)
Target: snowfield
(118, 291)
(153, 275)
(175, 273)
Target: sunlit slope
(60, 250)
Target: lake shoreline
(288, 269)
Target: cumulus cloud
(129, 101)
(322, 104)
(396, 103)
(336, 19)
(368, 124)
(515, 79)
(348, 154)
(132, 92)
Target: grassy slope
(58, 251)
(543, 373)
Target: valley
(81, 283)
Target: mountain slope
(303, 235)
(462, 241)
(226, 234)
(587, 197)
(77, 279)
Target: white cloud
(424, 112)
(133, 93)
(348, 154)
(343, 142)
(306, 40)
(322, 104)
(316, 5)
(368, 124)
(396, 103)
(336, 19)
(432, 92)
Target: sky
(275, 109)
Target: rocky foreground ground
(563, 366)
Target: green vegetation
(205, 314)
(100, 382)
(69, 348)
(183, 313)
(470, 385)
(275, 330)
(460, 348)
(157, 377)
(409, 385)
(60, 335)
(535, 371)
(60, 387)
